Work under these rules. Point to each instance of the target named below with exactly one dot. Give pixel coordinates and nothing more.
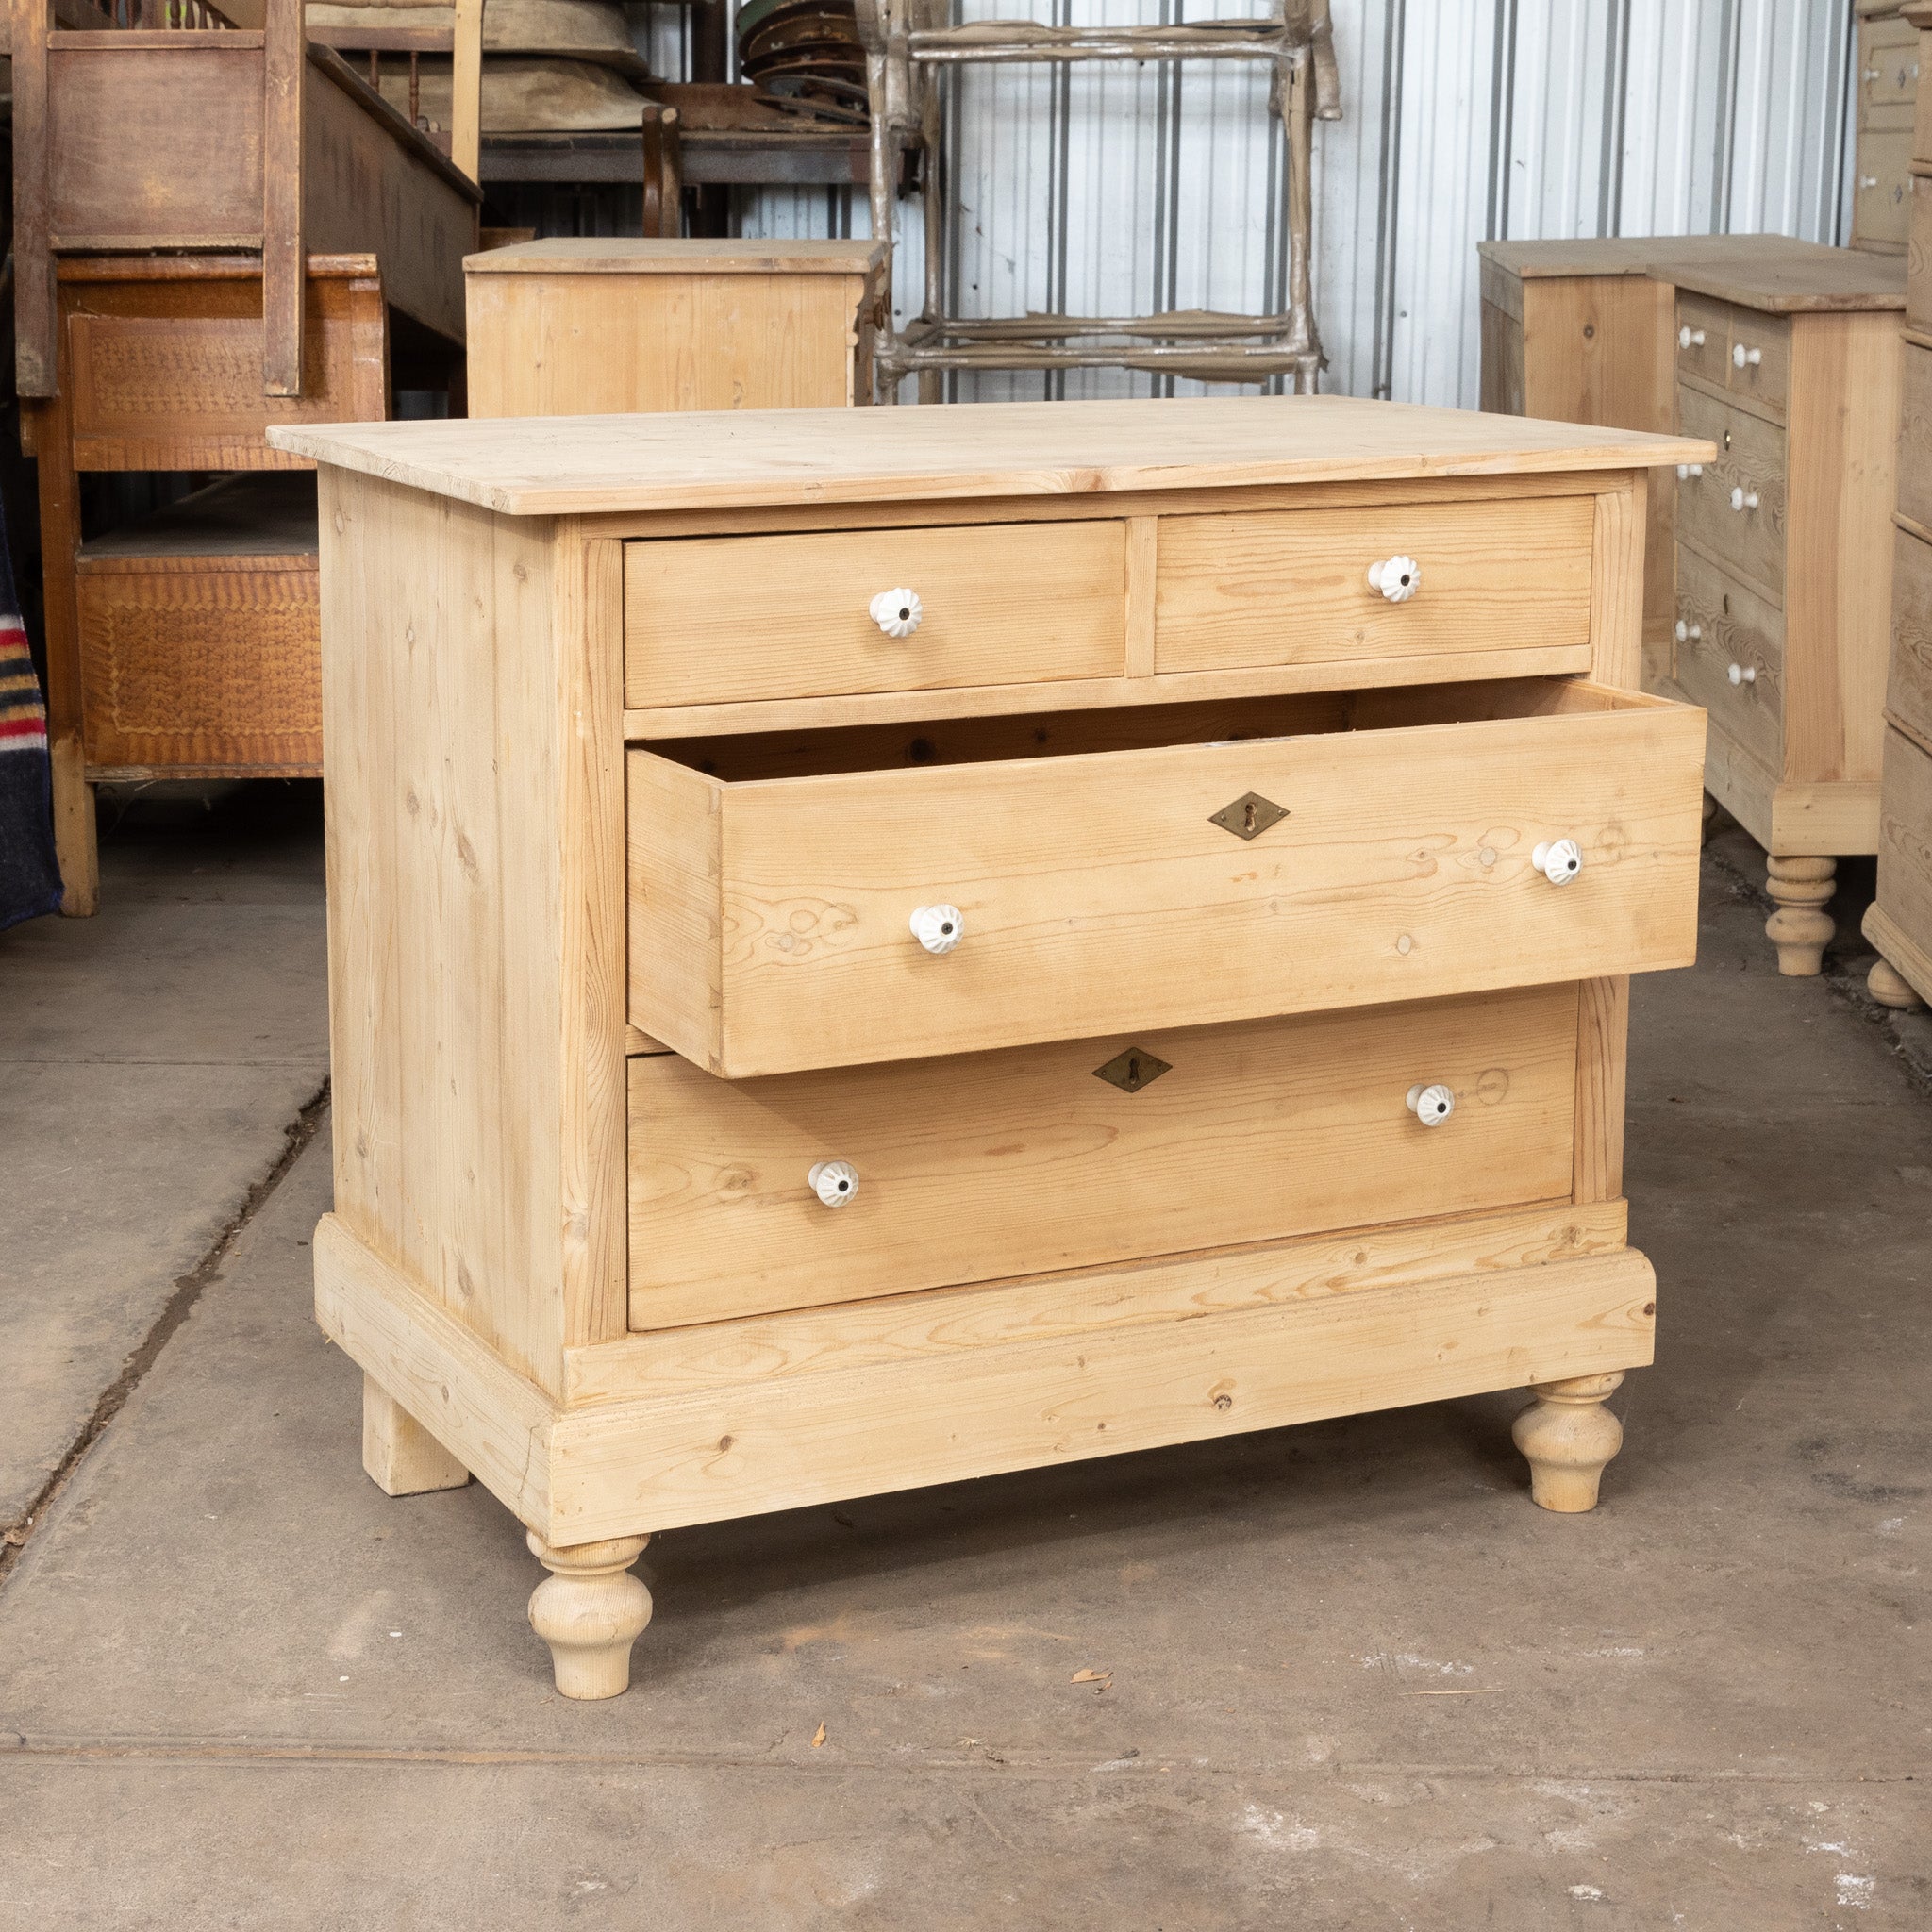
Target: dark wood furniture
(216, 230)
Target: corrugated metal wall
(1120, 189)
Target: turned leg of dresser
(590, 1610)
(1800, 928)
(1890, 987)
(403, 1458)
(1569, 1438)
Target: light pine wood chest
(1769, 577)
(872, 948)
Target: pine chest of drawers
(870, 949)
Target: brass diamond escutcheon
(1249, 816)
(1132, 1070)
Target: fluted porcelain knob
(939, 928)
(1742, 674)
(1558, 860)
(1689, 633)
(1742, 498)
(1689, 337)
(1431, 1105)
(1742, 358)
(834, 1182)
(1398, 578)
(1686, 471)
(1867, 180)
(897, 612)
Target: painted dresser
(869, 948)
(585, 325)
(1899, 923)
(1768, 588)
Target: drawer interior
(752, 758)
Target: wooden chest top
(586, 466)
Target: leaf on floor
(818, 1737)
(1090, 1676)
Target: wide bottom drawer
(975, 1167)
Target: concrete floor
(1357, 1680)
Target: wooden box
(599, 326)
(769, 1067)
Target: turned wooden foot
(1800, 930)
(1709, 813)
(402, 1458)
(1569, 1437)
(590, 1610)
(1890, 987)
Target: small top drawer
(1743, 350)
(1398, 580)
(723, 619)
(1888, 65)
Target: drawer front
(1922, 123)
(1715, 513)
(1730, 657)
(1908, 690)
(1760, 359)
(1888, 64)
(1919, 255)
(1291, 586)
(771, 922)
(215, 670)
(721, 620)
(1878, 207)
(991, 1165)
(1905, 838)
(1704, 339)
(1915, 435)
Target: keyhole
(1248, 816)
(1134, 1071)
(1727, 439)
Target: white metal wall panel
(1123, 189)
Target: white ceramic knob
(1431, 1105)
(1558, 860)
(897, 612)
(1398, 578)
(1742, 358)
(1689, 633)
(1742, 498)
(1686, 471)
(834, 1182)
(1867, 180)
(939, 928)
(1742, 674)
(1689, 337)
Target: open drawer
(836, 897)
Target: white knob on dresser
(1689, 633)
(1431, 1105)
(1743, 499)
(1686, 471)
(1742, 358)
(1689, 337)
(834, 1182)
(1398, 578)
(1742, 674)
(897, 612)
(1558, 860)
(939, 928)
(1867, 180)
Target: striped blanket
(29, 877)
